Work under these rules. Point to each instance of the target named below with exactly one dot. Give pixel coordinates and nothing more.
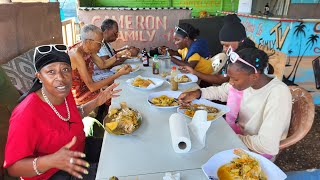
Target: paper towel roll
(180, 137)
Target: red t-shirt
(35, 130)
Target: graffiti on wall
(295, 39)
(140, 28)
(281, 36)
(316, 30)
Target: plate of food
(240, 164)
(123, 120)
(145, 83)
(184, 79)
(214, 110)
(133, 67)
(164, 99)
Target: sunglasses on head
(234, 57)
(44, 49)
(101, 43)
(177, 28)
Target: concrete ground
(306, 153)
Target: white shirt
(264, 115)
(100, 74)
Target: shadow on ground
(306, 153)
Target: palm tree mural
(298, 32)
(289, 53)
(310, 43)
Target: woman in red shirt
(46, 130)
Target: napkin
(169, 176)
(198, 129)
(189, 137)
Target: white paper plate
(133, 59)
(115, 68)
(177, 57)
(158, 82)
(192, 77)
(164, 57)
(223, 109)
(172, 94)
(211, 167)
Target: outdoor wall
(27, 25)
(143, 28)
(211, 6)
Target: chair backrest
(301, 118)
(21, 71)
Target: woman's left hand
(107, 94)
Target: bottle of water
(155, 65)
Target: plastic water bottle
(155, 65)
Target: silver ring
(71, 161)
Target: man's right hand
(126, 69)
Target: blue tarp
(313, 174)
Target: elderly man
(83, 56)
(110, 30)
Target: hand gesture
(186, 98)
(126, 69)
(186, 69)
(107, 94)
(162, 50)
(124, 53)
(70, 161)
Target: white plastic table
(148, 152)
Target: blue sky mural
(292, 38)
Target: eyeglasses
(179, 28)
(234, 57)
(101, 43)
(46, 49)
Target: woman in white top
(265, 106)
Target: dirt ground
(306, 153)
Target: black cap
(232, 29)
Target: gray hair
(88, 31)
(108, 24)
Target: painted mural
(297, 39)
(283, 36)
(140, 28)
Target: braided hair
(254, 56)
(187, 30)
(245, 43)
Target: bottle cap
(174, 68)
(156, 55)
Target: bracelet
(82, 110)
(34, 163)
